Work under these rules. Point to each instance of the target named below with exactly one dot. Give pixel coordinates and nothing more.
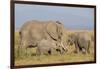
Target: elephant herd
(47, 37)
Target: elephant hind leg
(88, 49)
(85, 50)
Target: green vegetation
(44, 59)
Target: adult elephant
(32, 32)
(81, 41)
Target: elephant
(33, 31)
(81, 40)
(46, 47)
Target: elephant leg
(19, 51)
(76, 48)
(24, 48)
(88, 49)
(37, 52)
(42, 51)
(53, 51)
(84, 50)
(26, 52)
(22, 51)
(61, 51)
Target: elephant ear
(51, 29)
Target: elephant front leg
(25, 50)
(19, 51)
(61, 50)
(40, 52)
(53, 52)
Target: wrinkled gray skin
(32, 32)
(46, 47)
(81, 41)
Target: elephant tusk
(63, 46)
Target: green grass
(47, 59)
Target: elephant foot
(85, 51)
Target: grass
(54, 59)
(47, 59)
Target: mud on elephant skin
(34, 31)
(81, 40)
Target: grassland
(47, 59)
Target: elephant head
(61, 48)
(55, 31)
(71, 39)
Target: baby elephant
(46, 47)
(81, 41)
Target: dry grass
(47, 59)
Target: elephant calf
(46, 47)
(81, 41)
